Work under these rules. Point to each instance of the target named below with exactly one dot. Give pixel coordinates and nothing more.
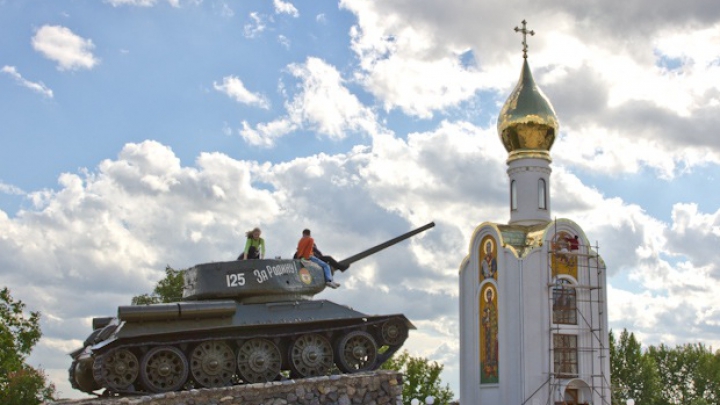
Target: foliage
(167, 290)
(661, 375)
(689, 373)
(634, 375)
(421, 378)
(20, 384)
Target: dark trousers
(253, 253)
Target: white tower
(533, 311)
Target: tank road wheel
(394, 332)
(212, 364)
(259, 360)
(357, 351)
(164, 368)
(117, 370)
(81, 377)
(311, 355)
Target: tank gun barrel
(393, 241)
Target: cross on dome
(524, 31)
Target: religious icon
(488, 263)
(488, 335)
(564, 258)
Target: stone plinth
(372, 388)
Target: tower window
(566, 356)
(564, 303)
(542, 194)
(513, 196)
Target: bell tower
(533, 302)
(527, 126)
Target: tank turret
(239, 322)
(253, 281)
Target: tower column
(529, 190)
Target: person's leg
(333, 263)
(325, 267)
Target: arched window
(564, 303)
(542, 194)
(513, 196)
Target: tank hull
(166, 347)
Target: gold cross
(524, 33)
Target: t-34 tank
(239, 322)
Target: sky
(136, 134)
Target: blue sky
(140, 133)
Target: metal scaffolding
(576, 304)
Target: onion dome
(527, 123)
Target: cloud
(256, 27)
(38, 87)
(265, 134)
(403, 65)
(283, 7)
(10, 189)
(284, 41)
(224, 9)
(625, 101)
(61, 45)
(234, 88)
(329, 107)
(322, 104)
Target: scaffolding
(576, 317)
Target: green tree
(169, 289)
(633, 373)
(20, 384)
(421, 378)
(689, 373)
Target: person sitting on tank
(254, 246)
(329, 259)
(305, 251)
(334, 264)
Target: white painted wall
(524, 317)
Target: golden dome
(527, 123)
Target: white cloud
(322, 104)
(234, 88)
(265, 134)
(224, 9)
(61, 45)
(404, 66)
(326, 104)
(256, 26)
(284, 41)
(626, 100)
(285, 7)
(38, 87)
(10, 189)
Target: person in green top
(254, 246)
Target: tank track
(147, 367)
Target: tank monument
(240, 322)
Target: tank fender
(178, 310)
(98, 323)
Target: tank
(248, 321)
